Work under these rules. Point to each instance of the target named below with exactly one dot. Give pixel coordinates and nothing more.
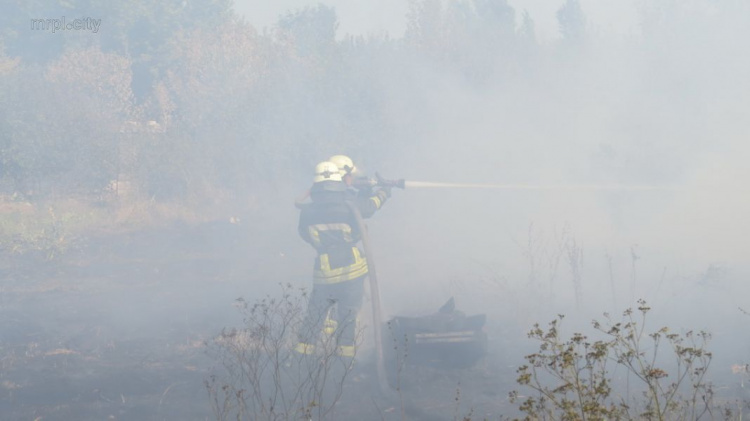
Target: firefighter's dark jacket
(329, 225)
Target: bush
(262, 377)
(573, 379)
(47, 234)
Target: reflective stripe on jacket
(329, 226)
(339, 266)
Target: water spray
(401, 183)
(430, 184)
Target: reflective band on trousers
(346, 351)
(303, 348)
(341, 350)
(326, 275)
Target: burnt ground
(116, 330)
(113, 330)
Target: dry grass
(52, 228)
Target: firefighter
(329, 225)
(346, 167)
(351, 177)
(347, 171)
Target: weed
(263, 377)
(49, 234)
(572, 378)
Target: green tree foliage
(16, 33)
(8, 74)
(184, 99)
(138, 29)
(214, 81)
(425, 25)
(134, 27)
(572, 21)
(65, 132)
(478, 38)
(311, 30)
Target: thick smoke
(226, 119)
(662, 107)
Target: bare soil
(116, 330)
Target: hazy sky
(367, 16)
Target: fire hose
(375, 295)
(362, 182)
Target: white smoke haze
(638, 93)
(664, 107)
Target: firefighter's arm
(369, 205)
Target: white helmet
(326, 171)
(345, 164)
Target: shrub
(263, 377)
(572, 379)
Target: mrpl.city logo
(61, 24)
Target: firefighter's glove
(386, 190)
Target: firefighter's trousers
(332, 316)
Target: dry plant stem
(572, 381)
(575, 261)
(544, 253)
(263, 377)
(633, 276)
(611, 279)
(531, 255)
(557, 253)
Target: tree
(572, 21)
(61, 122)
(311, 30)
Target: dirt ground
(116, 330)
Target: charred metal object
(447, 338)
